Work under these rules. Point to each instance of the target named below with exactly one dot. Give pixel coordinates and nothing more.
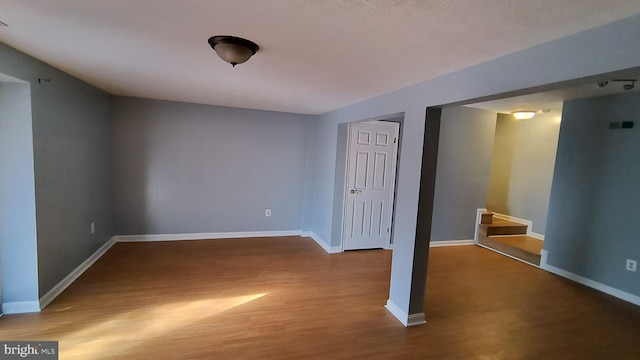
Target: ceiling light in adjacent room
(233, 50)
(523, 115)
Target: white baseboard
(75, 274)
(544, 255)
(416, 319)
(588, 282)
(205, 236)
(451, 243)
(403, 317)
(537, 236)
(479, 213)
(20, 307)
(329, 249)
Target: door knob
(353, 191)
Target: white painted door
(371, 174)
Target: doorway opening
(18, 243)
(364, 194)
(370, 184)
(512, 165)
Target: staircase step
(502, 227)
(486, 218)
(522, 247)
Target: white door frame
(394, 164)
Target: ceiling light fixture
(233, 50)
(523, 115)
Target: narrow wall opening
(18, 243)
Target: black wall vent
(621, 125)
(627, 125)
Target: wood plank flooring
(285, 298)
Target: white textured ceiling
(315, 55)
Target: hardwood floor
(285, 298)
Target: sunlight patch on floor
(128, 329)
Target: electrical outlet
(632, 265)
(93, 228)
(267, 213)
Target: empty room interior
(332, 179)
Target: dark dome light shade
(233, 50)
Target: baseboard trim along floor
(406, 319)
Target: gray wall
(522, 168)
(462, 174)
(560, 61)
(72, 159)
(18, 243)
(188, 168)
(595, 198)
